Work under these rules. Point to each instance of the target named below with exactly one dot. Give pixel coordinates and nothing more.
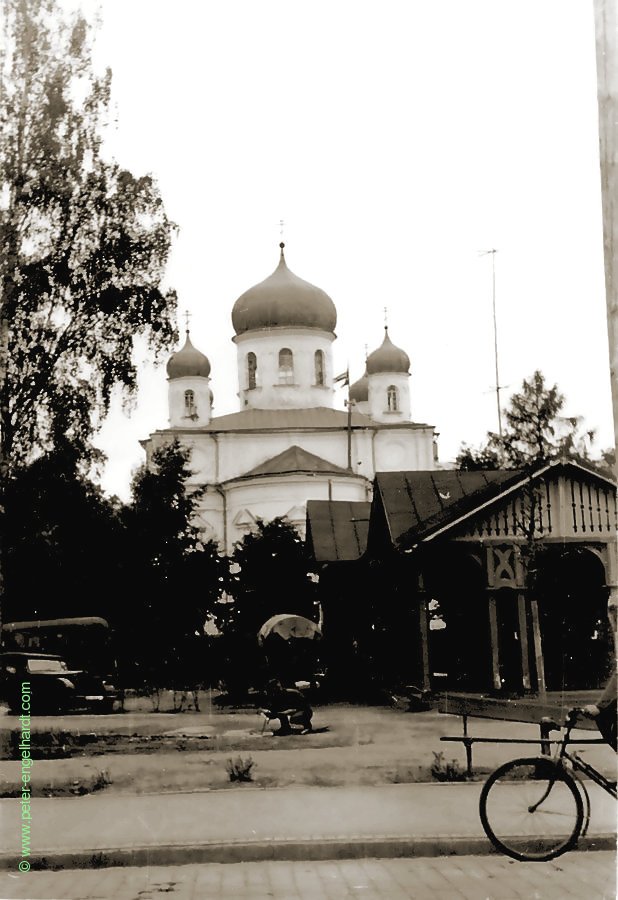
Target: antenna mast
(493, 306)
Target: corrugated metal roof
(295, 459)
(264, 419)
(420, 504)
(337, 529)
(416, 503)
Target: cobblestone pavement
(586, 876)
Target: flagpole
(349, 422)
(345, 378)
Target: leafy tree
(269, 575)
(84, 241)
(269, 569)
(176, 578)
(471, 459)
(64, 553)
(534, 432)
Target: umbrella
(289, 626)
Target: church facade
(288, 444)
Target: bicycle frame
(580, 765)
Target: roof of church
(283, 299)
(189, 361)
(359, 391)
(388, 358)
(316, 417)
(295, 459)
(337, 529)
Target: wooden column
(523, 641)
(423, 621)
(495, 650)
(538, 648)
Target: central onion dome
(388, 358)
(188, 362)
(283, 300)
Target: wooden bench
(544, 713)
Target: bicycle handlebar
(571, 718)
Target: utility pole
(606, 24)
(493, 306)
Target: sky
(397, 140)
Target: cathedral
(287, 444)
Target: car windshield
(46, 665)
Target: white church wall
(378, 399)
(270, 393)
(195, 415)
(269, 497)
(239, 453)
(404, 450)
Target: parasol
(288, 626)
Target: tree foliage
(84, 241)
(269, 575)
(534, 432)
(175, 577)
(65, 546)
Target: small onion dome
(283, 299)
(188, 362)
(359, 391)
(387, 358)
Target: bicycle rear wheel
(531, 809)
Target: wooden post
(538, 648)
(424, 630)
(495, 650)
(523, 641)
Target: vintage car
(52, 686)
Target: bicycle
(536, 808)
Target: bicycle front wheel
(531, 809)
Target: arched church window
(286, 366)
(319, 367)
(190, 409)
(392, 398)
(251, 371)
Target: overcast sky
(396, 139)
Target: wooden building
(475, 581)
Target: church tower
(284, 331)
(189, 394)
(388, 387)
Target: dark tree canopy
(269, 575)
(84, 241)
(534, 431)
(175, 579)
(65, 547)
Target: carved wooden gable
(567, 504)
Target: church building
(288, 444)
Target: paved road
(585, 876)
